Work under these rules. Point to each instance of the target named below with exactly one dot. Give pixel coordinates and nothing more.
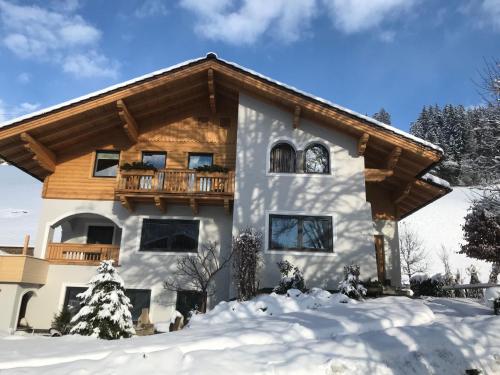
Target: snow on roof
(436, 180)
(237, 66)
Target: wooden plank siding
(72, 178)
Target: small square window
(156, 159)
(106, 163)
(200, 160)
(100, 235)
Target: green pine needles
(105, 311)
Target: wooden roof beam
(42, 155)
(362, 143)
(377, 175)
(130, 125)
(211, 91)
(393, 158)
(127, 203)
(296, 117)
(161, 204)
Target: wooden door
(380, 254)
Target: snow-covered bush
(295, 281)
(474, 279)
(105, 311)
(423, 285)
(351, 286)
(247, 247)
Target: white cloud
(46, 34)
(151, 8)
(90, 65)
(351, 16)
(246, 21)
(11, 111)
(491, 13)
(24, 78)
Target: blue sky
(362, 54)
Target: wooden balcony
(175, 185)
(23, 269)
(81, 254)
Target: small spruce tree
(105, 311)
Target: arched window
(316, 159)
(283, 159)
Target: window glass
(156, 159)
(187, 301)
(139, 299)
(284, 232)
(316, 233)
(100, 234)
(282, 159)
(311, 233)
(106, 163)
(169, 235)
(200, 160)
(316, 159)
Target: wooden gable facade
(194, 108)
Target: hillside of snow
(440, 224)
(313, 333)
(20, 202)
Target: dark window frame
(165, 153)
(273, 163)
(161, 250)
(328, 167)
(101, 226)
(97, 152)
(300, 233)
(211, 154)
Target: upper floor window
(283, 159)
(106, 163)
(156, 159)
(169, 235)
(97, 234)
(316, 159)
(199, 160)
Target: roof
(212, 55)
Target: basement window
(106, 163)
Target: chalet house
(231, 149)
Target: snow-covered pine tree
(105, 309)
(383, 116)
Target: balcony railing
(81, 254)
(23, 269)
(176, 181)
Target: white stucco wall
(140, 270)
(340, 194)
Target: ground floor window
(188, 301)
(139, 298)
(298, 232)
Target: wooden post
(26, 244)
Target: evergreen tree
(482, 233)
(383, 116)
(105, 309)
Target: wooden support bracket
(393, 158)
(211, 91)
(126, 202)
(377, 175)
(194, 205)
(362, 143)
(401, 196)
(130, 125)
(296, 117)
(45, 157)
(161, 204)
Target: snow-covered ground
(300, 334)
(440, 224)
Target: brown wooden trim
(377, 175)
(45, 157)
(211, 91)
(393, 158)
(130, 125)
(362, 143)
(296, 117)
